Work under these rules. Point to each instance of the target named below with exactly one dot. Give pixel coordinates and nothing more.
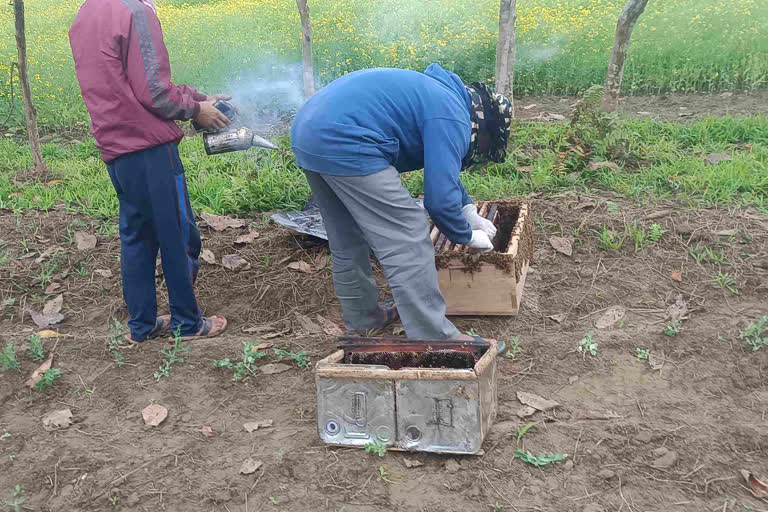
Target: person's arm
(445, 144)
(148, 69)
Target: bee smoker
(235, 137)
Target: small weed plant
(246, 367)
(753, 334)
(639, 236)
(116, 340)
(300, 358)
(35, 349)
(496, 507)
(172, 356)
(514, 347)
(524, 430)
(5, 435)
(18, 499)
(543, 459)
(610, 240)
(718, 258)
(697, 255)
(8, 358)
(642, 354)
(382, 476)
(726, 281)
(376, 446)
(673, 329)
(656, 233)
(48, 378)
(588, 345)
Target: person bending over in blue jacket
(352, 139)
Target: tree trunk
(505, 48)
(306, 48)
(632, 11)
(29, 107)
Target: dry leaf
(308, 325)
(52, 183)
(561, 245)
(321, 260)
(220, 223)
(54, 305)
(57, 419)
(728, 232)
(535, 401)
(559, 318)
(38, 373)
(524, 168)
(234, 262)
(103, 272)
(588, 414)
(529, 107)
(329, 328)
(48, 252)
(52, 288)
(274, 368)
(206, 430)
(253, 426)
(52, 334)
(554, 117)
(84, 240)
(269, 331)
(248, 238)
(42, 321)
(525, 411)
(412, 463)
(678, 310)
(656, 362)
(658, 214)
(716, 158)
(677, 275)
(262, 346)
(208, 257)
(301, 266)
(759, 489)
(598, 166)
(610, 317)
(154, 414)
(250, 466)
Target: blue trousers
(155, 214)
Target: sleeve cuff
(198, 96)
(196, 110)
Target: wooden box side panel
(488, 291)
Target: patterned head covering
(491, 113)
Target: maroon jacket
(125, 77)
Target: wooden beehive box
(489, 283)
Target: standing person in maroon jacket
(125, 77)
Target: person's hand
(477, 222)
(217, 97)
(211, 118)
(480, 241)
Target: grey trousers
(376, 212)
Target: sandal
(392, 316)
(208, 329)
(162, 323)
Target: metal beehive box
(437, 410)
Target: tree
(632, 11)
(306, 48)
(505, 48)
(30, 113)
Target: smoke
(537, 53)
(268, 95)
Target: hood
(450, 81)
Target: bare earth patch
(664, 434)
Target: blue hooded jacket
(369, 120)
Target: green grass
(562, 46)
(671, 166)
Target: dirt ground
(671, 107)
(637, 438)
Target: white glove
(477, 222)
(480, 241)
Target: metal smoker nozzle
(262, 142)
